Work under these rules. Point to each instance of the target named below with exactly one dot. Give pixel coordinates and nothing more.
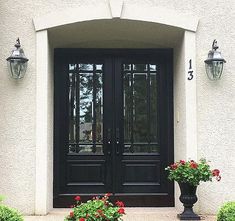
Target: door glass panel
(72, 67)
(99, 67)
(153, 67)
(127, 108)
(127, 67)
(99, 108)
(140, 118)
(141, 148)
(140, 108)
(86, 109)
(85, 67)
(72, 107)
(140, 67)
(153, 133)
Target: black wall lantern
(214, 63)
(17, 62)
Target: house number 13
(190, 71)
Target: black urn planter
(188, 198)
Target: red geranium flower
(174, 166)
(193, 165)
(81, 219)
(121, 211)
(108, 194)
(215, 172)
(77, 198)
(71, 214)
(182, 162)
(120, 204)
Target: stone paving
(133, 214)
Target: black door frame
(163, 55)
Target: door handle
(117, 141)
(109, 137)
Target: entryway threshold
(132, 214)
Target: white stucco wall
(215, 100)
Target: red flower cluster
(121, 211)
(192, 172)
(174, 166)
(120, 204)
(108, 194)
(71, 214)
(193, 164)
(216, 173)
(77, 198)
(99, 212)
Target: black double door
(113, 125)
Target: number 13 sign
(190, 71)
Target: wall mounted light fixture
(214, 63)
(17, 62)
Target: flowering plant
(98, 209)
(192, 172)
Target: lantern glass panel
(214, 70)
(17, 68)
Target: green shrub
(227, 212)
(9, 214)
(1, 198)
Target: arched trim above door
(116, 9)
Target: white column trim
(190, 94)
(41, 189)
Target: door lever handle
(117, 141)
(109, 137)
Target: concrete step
(132, 214)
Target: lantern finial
(17, 45)
(214, 45)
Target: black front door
(113, 125)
